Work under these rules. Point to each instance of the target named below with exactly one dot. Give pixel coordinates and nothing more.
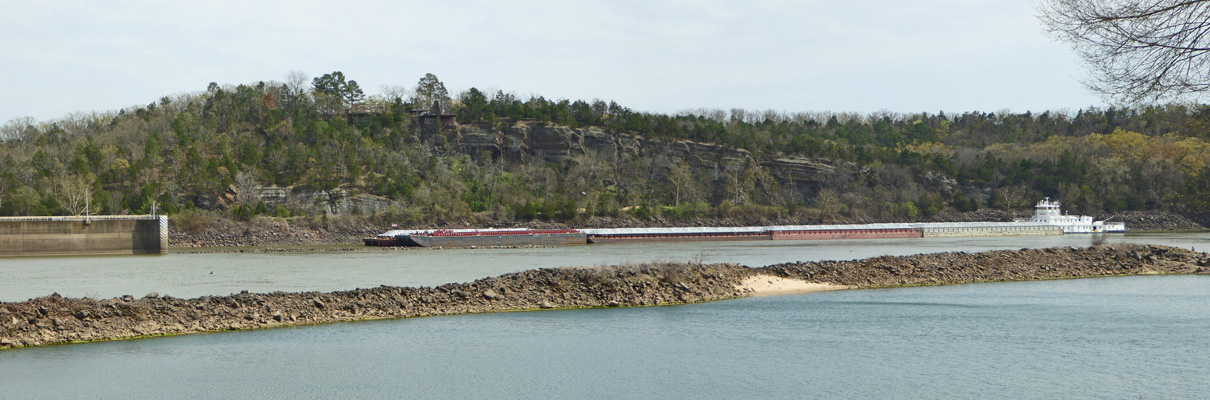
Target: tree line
(185, 152)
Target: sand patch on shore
(769, 285)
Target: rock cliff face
(801, 172)
(532, 141)
(55, 319)
(334, 202)
(525, 141)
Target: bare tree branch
(1138, 50)
(73, 196)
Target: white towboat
(1047, 212)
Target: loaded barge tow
(478, 237)
(1048, 220)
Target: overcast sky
(58, 57)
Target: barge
(392, 238)
(846, 233)
(803, 232)
(479, 237)
(612, 235)
(1047, 221)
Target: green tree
(23, 201)
(353, 96)
(334, 87)
(474, 106)
(332, 84)
(583, 114)
(428, 90)
(1197, 196)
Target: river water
(1124, 337)
(193, 275)
(1116, 338)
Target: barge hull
(848, 234)
(538, 239)
(390, 241)
(676, 237)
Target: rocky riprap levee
(55, 319)
(999, 266)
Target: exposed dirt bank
(55, 319)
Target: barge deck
(1047, 222)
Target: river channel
(193, 275)
(1125, 337)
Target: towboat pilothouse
(1048, 212)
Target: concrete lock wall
(43, 236)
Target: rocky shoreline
(54, 319)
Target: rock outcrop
(525, 141)
(333, 202)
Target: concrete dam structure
(92, 235)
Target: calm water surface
(1133, 337)
(1113, 338)
(193, 275)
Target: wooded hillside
(301, 148)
